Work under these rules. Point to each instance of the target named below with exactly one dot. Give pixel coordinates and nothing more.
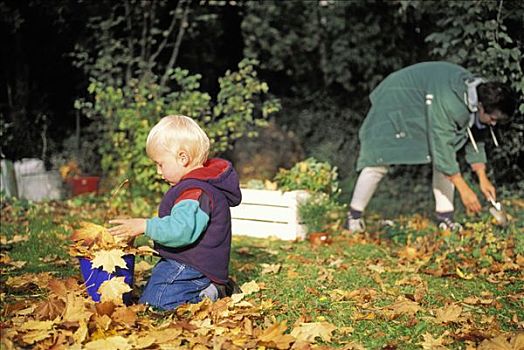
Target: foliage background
(320, 59)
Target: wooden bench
(266, 213)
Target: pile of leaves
(67, 319)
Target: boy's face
(171, 166)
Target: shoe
(449, 225)
(356, 225)
(228, 289)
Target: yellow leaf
(109, 260)
(309, 331)
(111, 343)
(36, 336)
(81, 333)
(250, 287)
(275, 334)
(75, 309)
(88, 232)
(37, 325)
(462, 274)
(113, 289)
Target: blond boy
(192, 232)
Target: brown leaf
(310, 331)
(431, 343)
(516, 342)
(105, 308)
(449, 313)
(49, 309)
(125, 316)
(113, 289)
(404, 307)
(109, 260)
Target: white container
(267, 213)
(35, 183)
(8, 178)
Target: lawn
(405, 286)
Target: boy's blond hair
(176, 133)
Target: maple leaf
(88, 232)
(449, 313)
(109, 260)
(404, 307)
(110, 343)
(250, 287)
(310, 331)
(501, 343)
(113, 289)
(49, 309)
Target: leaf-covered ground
(405, 286)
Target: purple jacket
(210, 253)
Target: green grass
(304, 286)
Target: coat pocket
(399, 124)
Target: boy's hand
(128, 227)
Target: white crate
(266, 213)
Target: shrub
(321, 211)
(124, 115)
(310, 175)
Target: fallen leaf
(110, 343)
(270, 268)
(449, 313)
(310, 331)
(501, 343)
(431, 343)
(75, 310)
(113, 289)
(275, 334)
(404, 307)
(250, 287)
(125, 316)
(81, 333)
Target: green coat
(406, 126)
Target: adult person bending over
(425, 113)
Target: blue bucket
(93, 278)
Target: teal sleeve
(182, 227)
(472, 156)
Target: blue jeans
(173, 284)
